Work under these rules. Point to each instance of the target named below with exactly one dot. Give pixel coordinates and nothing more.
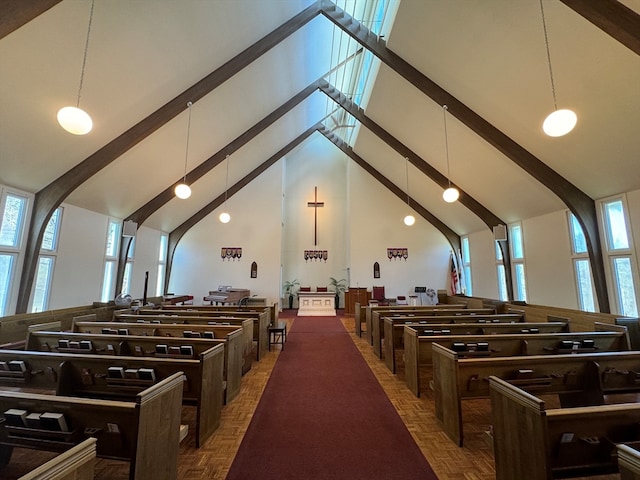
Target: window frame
(107, 292)
(577, 258)
(17, 253)
(517, 263)
(609, 254)
(50, 254)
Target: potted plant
(338, 286)
(289, 289)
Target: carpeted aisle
(323, 415)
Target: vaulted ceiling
(486, 60)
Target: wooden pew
(176, 330)
(144, 432)
(260, 325)
(559, 442)
(363, 313)
(87, 375)
(628, 462)
(141, 346)
(426, 319)
(377, 325)
(271, 309)
(418, 351)
(394, 332)
(456, 379)
(77, 463)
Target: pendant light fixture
(559, 122)
(224, 216)
(409, 219)
(74, 119)
(182, 190)
(451, 194)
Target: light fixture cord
(406, 164)
(446, 142)
(86, 48)
(186, 152)
(546, 42)
(226, 184)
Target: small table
(277, 334)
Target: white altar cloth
(316, 304)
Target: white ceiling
(490, 55)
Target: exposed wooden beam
(144, 212)
(613, 18)
(452, 237)
(16, 13)
(51, 196)
(176, 235)
(582, 206)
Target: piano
(226, 294)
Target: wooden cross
(315, 204)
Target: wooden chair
(321, 289)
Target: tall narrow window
(46, 263)
(110, 261)
(128, 268)
(517, 261)
(581, 265)
(466, 266)
(13, 217)
(162, 264)
(621, 258)
(502, 277)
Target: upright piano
(226, 294)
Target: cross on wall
(315, 205)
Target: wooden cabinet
(353, 295)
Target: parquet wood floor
(213, 460)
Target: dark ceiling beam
(16, 13)
(488, 217)
(613, 18)
(452, 237)
(580, 204)
(50, 197)
(144, 212)
(176, 235)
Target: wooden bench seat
(456, 379)
(176, 330)
(558, 442)
(88, 375)
(420, 350)
(451, 316)
(144, 432)
(146, 346)
(260, 322)
(77, 463)
(363, 313)
(394, 332)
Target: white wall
(254, 227)
(548, 266)
(77, 277)
(376, 223)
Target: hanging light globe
(409, 220)
(183, 191)
(560, 122)
(450, 195)
(225, 217)
(75, 120)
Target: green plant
(338, 286)
(289, 289)
(290, 285)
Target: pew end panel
(628, 462)
(447, 394)
(77, 463)
(411, 361)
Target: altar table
(316, 304)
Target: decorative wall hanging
(316, 255)
(397, 253)
(229, 253)
(376, 270)
(254, 270)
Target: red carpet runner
(323, 415)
